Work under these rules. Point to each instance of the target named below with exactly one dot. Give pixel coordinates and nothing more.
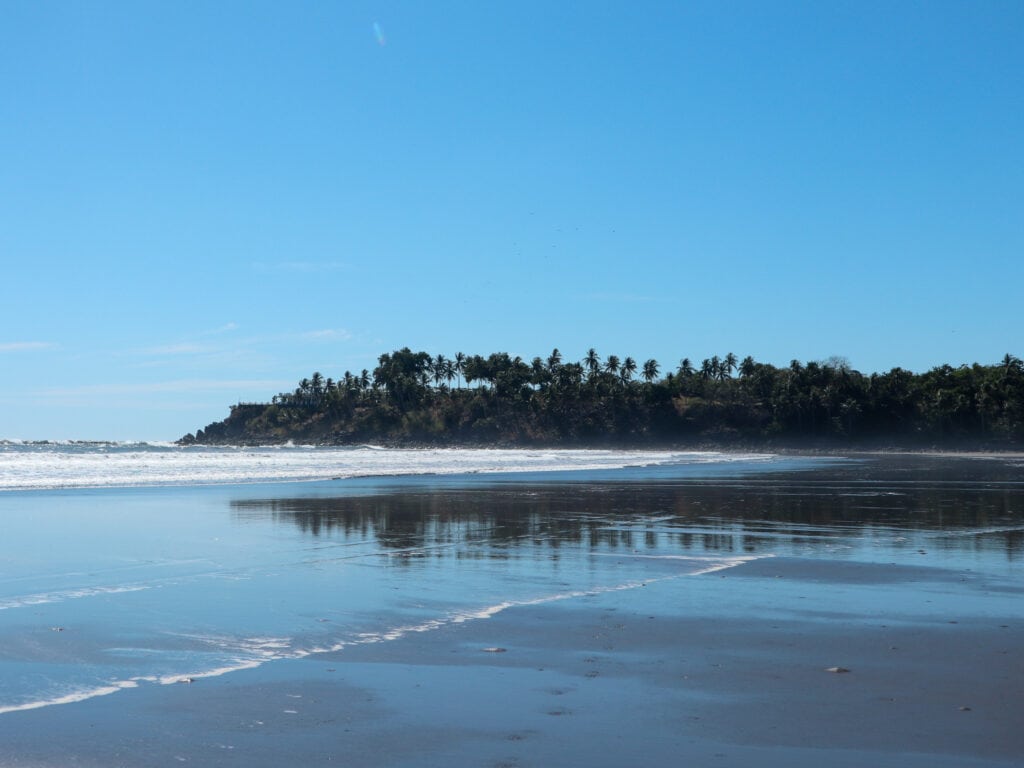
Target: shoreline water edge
(547, 607)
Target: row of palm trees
(442, 371)
(410, 395)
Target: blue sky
(202, 203)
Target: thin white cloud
(25, 346)
(623, 298)
(206, 353)
(239, 357)
(327, 334)
(179, 386)
(184, 348)
(189, 347)
(300, 267)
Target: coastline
(781, 448)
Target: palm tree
(554, 359)
(685, 367)
(592, 361)
(437, 369)
(729, 363)
(570, 375)
(540, 374)
(628, 368)
(459, 366)
(303, 394)
(716, 368)
(612, 364)
(650, 372)
(1011, 363)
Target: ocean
(50, 465)
(136, 567)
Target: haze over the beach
(204, 203)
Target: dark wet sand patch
(579, 684)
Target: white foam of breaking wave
(713, 563)
(254, 652)
(72, 698)
(55, 467)
(726, 564)
(236, 666)
(116, 686)
(41, 598)
(980, 531)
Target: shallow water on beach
(106, 590)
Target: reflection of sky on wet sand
(155, 585)
(867, 509)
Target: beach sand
(731, 671)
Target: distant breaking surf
(40, 466)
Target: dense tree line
(416, 398)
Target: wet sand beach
(846, 614)
(613, 681)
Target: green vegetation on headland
(413, 398)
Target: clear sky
(203, 202)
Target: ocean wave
(44, 466)
(252, 652)
(59, 596)
(71, 698)
(973, 532)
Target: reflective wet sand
(613, 618)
